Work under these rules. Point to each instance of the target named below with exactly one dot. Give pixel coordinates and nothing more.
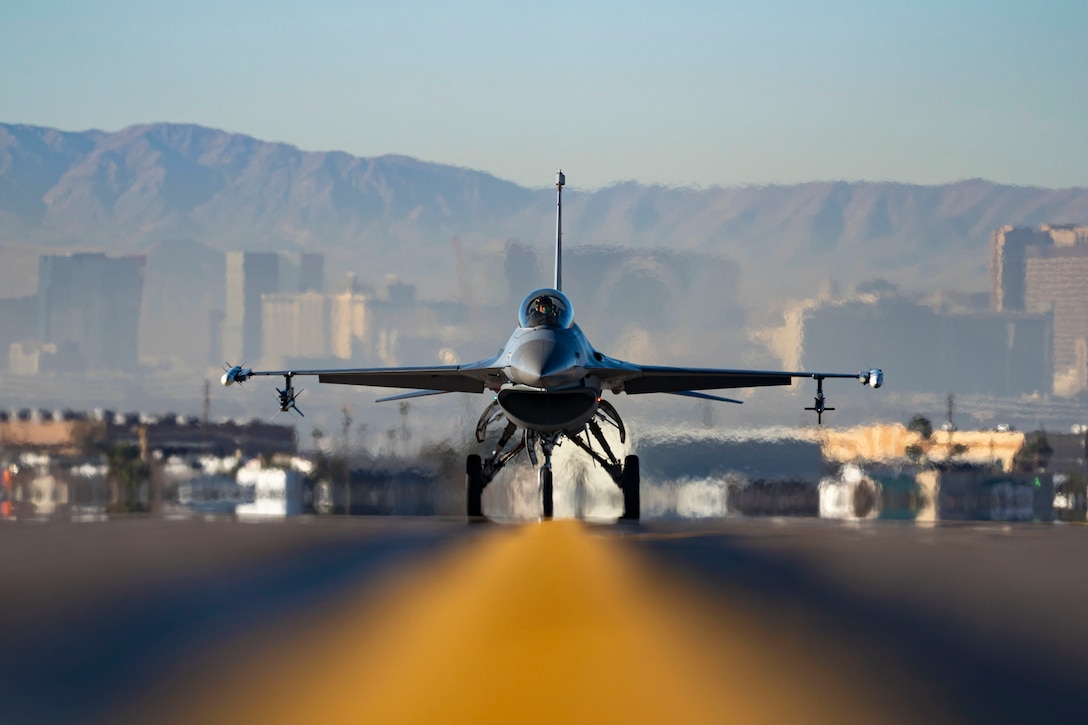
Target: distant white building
(850, 496)
(213, 494)
(276, 492)
(45, 493)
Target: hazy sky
(681, 93)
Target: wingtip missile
(236, 374)
(873, 378)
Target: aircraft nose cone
(543, 363)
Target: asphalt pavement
(422, 620)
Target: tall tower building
(89, 307)
(311, 325)
(1008, 254)
(249, 275)
(1056, 279)
(1008, 247)
(1045, 270)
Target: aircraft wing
(470, 378)
(635, 379)
(450, 379)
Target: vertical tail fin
(560, 180)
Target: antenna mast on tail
(560, 180)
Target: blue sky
(679, 93)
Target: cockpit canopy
(546, 308)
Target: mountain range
(138, 188)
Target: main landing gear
(480, 471)
(629, 483)
(474, 486)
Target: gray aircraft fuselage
(549, 389)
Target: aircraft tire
(546, 492)
(629, 484)
(474, 486)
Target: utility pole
(154, 482)
(405, 433)
(345, 432)
(207, 402)
(950, 405)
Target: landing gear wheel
(546, 492)
(474, 486)
(629, 484)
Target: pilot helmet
(546, 307)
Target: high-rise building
(1007, 250)
(314, 326)
(89, 308)
(1056, 279)
(1045, 270)
(250, 277)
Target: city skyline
(690, 95)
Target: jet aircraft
(547, 384)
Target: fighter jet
(547, 385)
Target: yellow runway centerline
(539, 623)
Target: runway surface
(387, 620)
